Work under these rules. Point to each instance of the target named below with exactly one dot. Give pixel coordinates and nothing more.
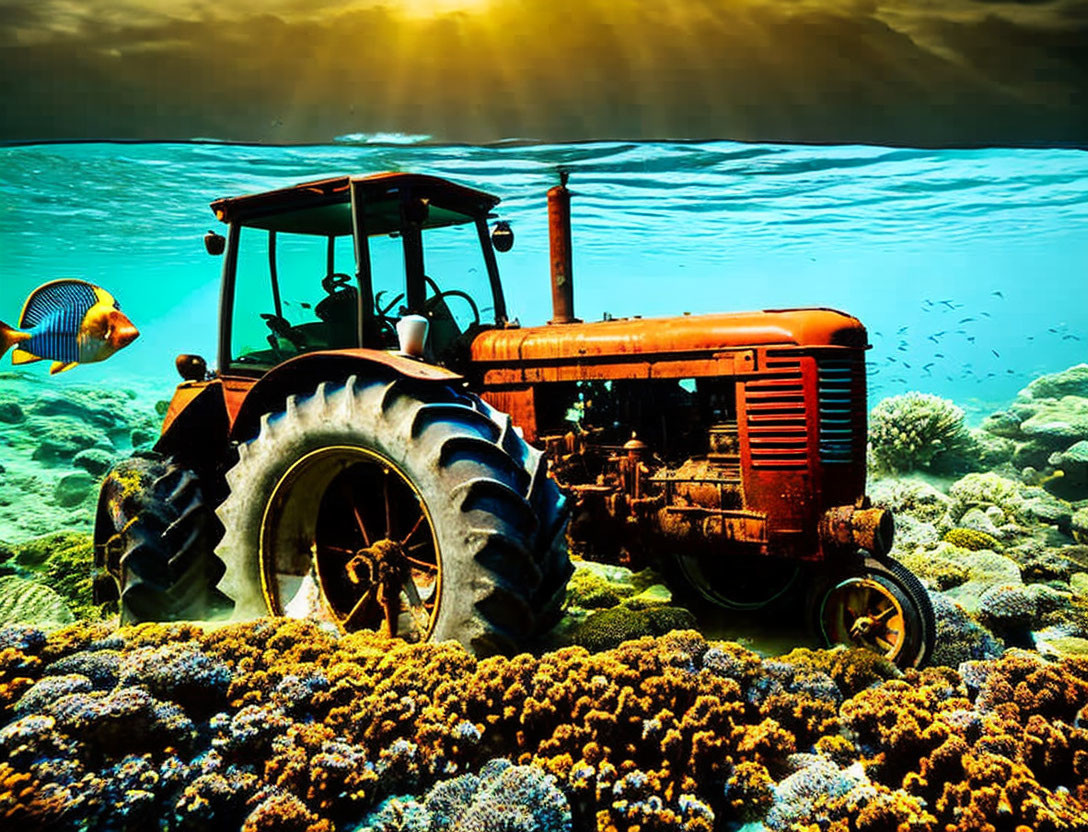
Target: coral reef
(610, 628)
(959, 637)
(1048, 424)
(607, 604)
(912, 498)
(971, 539)
(24, 601)
(51, 581)
(917, 430)
(280, 725)
(983, 490)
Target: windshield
(291, 297)
(297, 292)
(458, 290)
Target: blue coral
(46, 691)
(250, 732)
(102, 667)
(214, 801)
(511, 798)
(29, 640)
(402, 813)
(127, 719)
(816, 778)
(180, 672)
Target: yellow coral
(972, 539)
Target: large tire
(157, 536)
(495, 518)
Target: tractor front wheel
(882, 607)
(384, 504)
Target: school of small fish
(966, 370)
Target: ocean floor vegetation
(55, 445)
(627, 718)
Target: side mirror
(502, 236)
(215, 243)
(191, 367)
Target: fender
(302, 374)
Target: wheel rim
(866, 612)
(347, 539)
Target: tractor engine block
(627, 501)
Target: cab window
(458, 292)
(317, 307)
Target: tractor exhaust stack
(559, 234)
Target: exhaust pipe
(559, 236)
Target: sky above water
(903, 72)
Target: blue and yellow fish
(68, 322)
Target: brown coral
(659, 733)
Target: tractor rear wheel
(882, 607)
(386, 504)
(155, 536)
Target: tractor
(382, 446)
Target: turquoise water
(970, 267)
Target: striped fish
(68, 322)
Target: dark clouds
(922, 73)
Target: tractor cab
(334, 264)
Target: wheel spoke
(339, 550)
(883, 642)
(415, 528)
(422, 566)
(412, 591)
(417, 546)
(349, 621)
(355, 510)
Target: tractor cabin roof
(323, 207)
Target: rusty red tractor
(383, 447)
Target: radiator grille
(775, 414)
(840, 394)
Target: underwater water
(968, 266)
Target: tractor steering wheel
(336, 281)
(431, 304)
(381, 313)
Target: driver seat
(339, 311)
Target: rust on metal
(561, 257)
(849, 526)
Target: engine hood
(631, 337)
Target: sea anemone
(917, 430)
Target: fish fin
(60, 367)
(24, 357)
(10, 337)
(57, 295)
